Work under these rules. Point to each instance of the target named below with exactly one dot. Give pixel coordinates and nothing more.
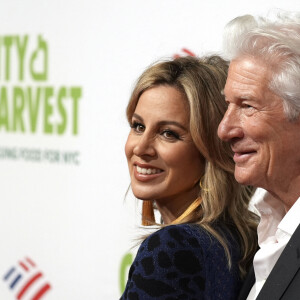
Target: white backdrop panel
(64, 224)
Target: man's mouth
(240, 157)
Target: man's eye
(245, 105)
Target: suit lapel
(284, 270)
(248, 284)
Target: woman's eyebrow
(162, 123)
(137, 116)
(172, 123)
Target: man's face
(266, 145)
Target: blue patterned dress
(184, 262)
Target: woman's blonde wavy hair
(201, 81)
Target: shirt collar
(291, 220)
(273, 215)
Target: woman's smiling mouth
(147, 171)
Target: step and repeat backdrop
(68, 227)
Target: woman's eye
(138, 127)
(169, 134)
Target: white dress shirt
(274, 231)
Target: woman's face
(164, 163)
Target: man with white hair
(262, 124)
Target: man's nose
(230, 126)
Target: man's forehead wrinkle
(242, 90)
(249, 76)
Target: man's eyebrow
(245, 97)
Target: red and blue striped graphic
(26, 281)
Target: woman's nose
(144, 146)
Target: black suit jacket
(284, 280)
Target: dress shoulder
(178, 262)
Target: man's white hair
(274, 40)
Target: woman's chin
(142, 194)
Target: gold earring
(148, 218)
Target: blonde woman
(207, 237)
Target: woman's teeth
(145, 171)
